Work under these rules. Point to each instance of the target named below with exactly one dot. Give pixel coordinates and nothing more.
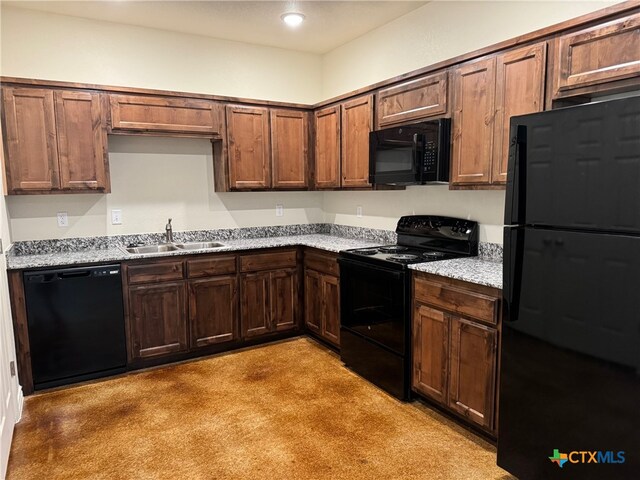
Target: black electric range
(375, 289)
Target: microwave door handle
(417, 156)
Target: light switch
(116, 217)
(279, 210)
(63, 219)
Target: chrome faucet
(168, 232)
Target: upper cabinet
(267, 148)
(55, 141)
(342, 144)
(357, 123)
(289, 148)
(165, 115)
(327, 147)
(412, 101)
(599, 58)
(487, 93)
(248, 145)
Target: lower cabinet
(158, 319)
(322, 295)
(213, 310)
(455, 340)
(269, 295)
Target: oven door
(374, 304)
(394, 156)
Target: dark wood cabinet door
(82, 141)
(598, 55)
(284, 299)
(179, 116)
(30, 141)
(289, 148)
(213, 311)
(331, 309)
(327, 147)
(255, 309)
(313, 310)
(472, 122)
(412, 101)
(158, 319)
(520, 77)
(472, 379)
(248, 147)
(357, 123)
(430, 352)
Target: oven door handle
(354, 263)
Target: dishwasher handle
(74, 274)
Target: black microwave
(414, 154)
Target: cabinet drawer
(155, 272)
(322, 263)
(206, 267)
(457, 300)
(268, 261)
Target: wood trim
(21, 330)
(31, 82)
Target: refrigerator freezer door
(579, 167)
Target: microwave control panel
(430, 159)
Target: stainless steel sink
(165, 247)
(198, 245)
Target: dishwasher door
(76, 324)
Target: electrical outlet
(116, 217)
(279, 210)
(63, 219)
(359, 211)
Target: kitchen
(153, 178)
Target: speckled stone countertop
(480, 270)
(113, 254)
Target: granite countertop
(479, 270)
(327, 242)
(484, 270)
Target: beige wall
(58, 47)
(153, 179)
(435, 32)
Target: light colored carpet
(284, 411)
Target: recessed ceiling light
(293, 19)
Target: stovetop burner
(393, 249)
(433, 254)
(368, 251)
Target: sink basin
(198, 245)
(165, 247)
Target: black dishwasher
(76, 324)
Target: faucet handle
(169, 223)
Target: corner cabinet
(55, 141)
(456, 329)
(486, 94)
(342, 144)
(322, 295)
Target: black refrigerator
(569, 402)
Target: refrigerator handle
(516, 175)
(512, 272)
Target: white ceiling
(328, 24)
